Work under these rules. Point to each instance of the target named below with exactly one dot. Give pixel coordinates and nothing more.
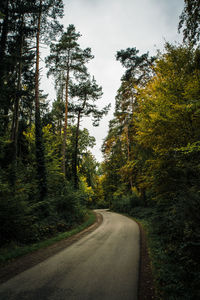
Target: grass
(154, 249)
(13, 251)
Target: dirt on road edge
(146, 288)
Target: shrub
(126, 203)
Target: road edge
(146, 288)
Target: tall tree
(4, 8)
(138, 71)
(47, 13)
(85, 93)
(16, 73)
(69, 59)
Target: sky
(108, 26)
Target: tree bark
(3, 43)
(3, 39)
(37, 59)
(15, 123)
(128, 153)
(76, 151)
(41, 170)
(76, 144)
(65, 123)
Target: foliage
(14, 213)
(13, 250)
(175, 265)
(190, 21)
(125, 203)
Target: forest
(49, 179)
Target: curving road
(103, 265)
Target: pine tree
(69, 59)
(85, 94)
(190, 21)
(47, 10)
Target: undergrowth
(14, 250)
(173, 245)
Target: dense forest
(151, 170)
(48, 174)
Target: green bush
(125, 204)
(173, 227)
(15, 220)
(178, 225)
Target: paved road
(101, 266)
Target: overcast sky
(111, 25)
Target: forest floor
(146, 289)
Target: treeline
(151, 166)
(47, 171)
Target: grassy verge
(153, 247)
(13, 251)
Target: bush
(15, 220)
(125, 204)
(178, 225)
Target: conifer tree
(68, 58)
(190, 21)
(47, 13)
(85, 93)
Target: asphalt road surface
(103, 265)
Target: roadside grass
(155, 252)
(13, 250)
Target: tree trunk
(76, 151)
(3, 42)
(41, 170)
(15, 123)
(61, 99)
(128, 154)
(143, 196)
(65, 123)
(76, 144)
(37, 59)
(3, 39)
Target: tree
(4, 8)
(121, 138)
(85, 93)
(16, 73)
(47, 9)
(68, 59)
(190, 21)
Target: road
(103, 265)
